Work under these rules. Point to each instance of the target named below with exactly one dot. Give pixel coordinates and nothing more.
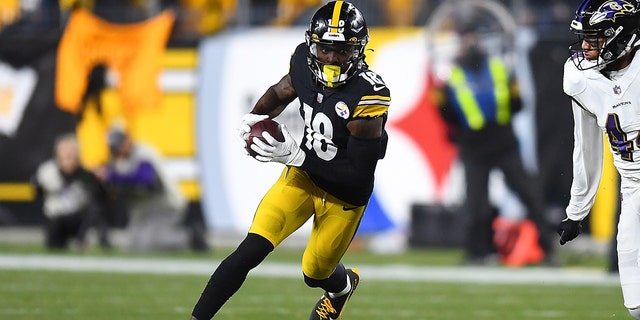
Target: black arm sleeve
(363, 155)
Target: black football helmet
(614, 21)
(337, 23)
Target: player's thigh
(628, 237)
(334, 227)
(284, 208)
(628, 240)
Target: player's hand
(568, 230)
(244, 128)
(287, 152)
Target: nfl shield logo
(616, 89)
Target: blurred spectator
(9, 12)
(73, 198)
(295, 12)
(401, 13)
(157, 209)
(199, 18)
(477, 102)
(115, 11)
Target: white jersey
(602, 105)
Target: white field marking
(462, 274)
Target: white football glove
(244, 128)
(287, 152)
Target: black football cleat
(332, 309)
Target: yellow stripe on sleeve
(384, 98)
(370, 110)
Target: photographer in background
(157, 209)
(74, 200)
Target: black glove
(568, 230)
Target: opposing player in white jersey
(602, 77)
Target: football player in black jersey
(329, 176)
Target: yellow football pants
(290, 202)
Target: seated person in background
(157, 209)
(74, 200)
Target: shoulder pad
(370, 83)
(574, 80)
(299, 57)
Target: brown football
(268, 125)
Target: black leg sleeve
(336, 282)
(230, 275)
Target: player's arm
(367, 140)
(587, 163)
(587, 171)
(270, 105)
(366, 128)
(276, 98)
(364, 146)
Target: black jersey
(326, 112)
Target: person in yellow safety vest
(477, 103)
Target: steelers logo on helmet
(610, 27)
(337, 26)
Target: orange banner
(134, 51)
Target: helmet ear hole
(609, 32)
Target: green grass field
(57, 295)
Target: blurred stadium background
(204, 63)
(187, 70)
